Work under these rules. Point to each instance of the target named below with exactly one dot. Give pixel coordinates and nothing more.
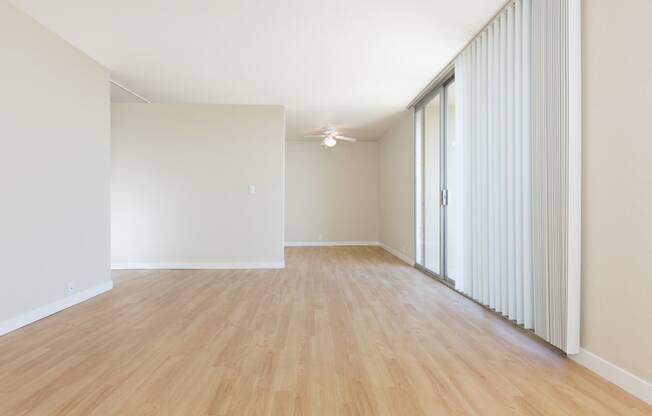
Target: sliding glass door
(450, 186)
(435, 141)
(431, 185)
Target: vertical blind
(515, 172)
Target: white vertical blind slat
(526, 160)
(495, 114)
(485, 169)
(502, 163)
(518, 171)
(509, 167)
(476, 185)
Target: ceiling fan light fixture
(329, 141)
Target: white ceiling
(353, 64)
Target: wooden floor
(340, 331)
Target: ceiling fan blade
(346, 139)
(316, 135)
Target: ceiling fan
(330, 136)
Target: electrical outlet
(70, 287)
(319, 237)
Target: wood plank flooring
(340, 331)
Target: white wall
(54, 169)
(617, 184)
(396, 167)
(332, 195)
(179, 185)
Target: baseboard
(54, 307)
(627, 381)
(407, 259)
(329, 243)
(199, 266)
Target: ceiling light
(329, 141)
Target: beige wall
(180, 177)
(54, 167)
(331, 195)
(396, 167)
(617, 183)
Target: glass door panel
(432, 185)
(452, 208)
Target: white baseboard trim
(199, 266)
(627, 381)
(329, 243)
(407, 259)
(54, 307)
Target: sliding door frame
(420, 184)
(444, 179)
(421, 190)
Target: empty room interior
(325, 207)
